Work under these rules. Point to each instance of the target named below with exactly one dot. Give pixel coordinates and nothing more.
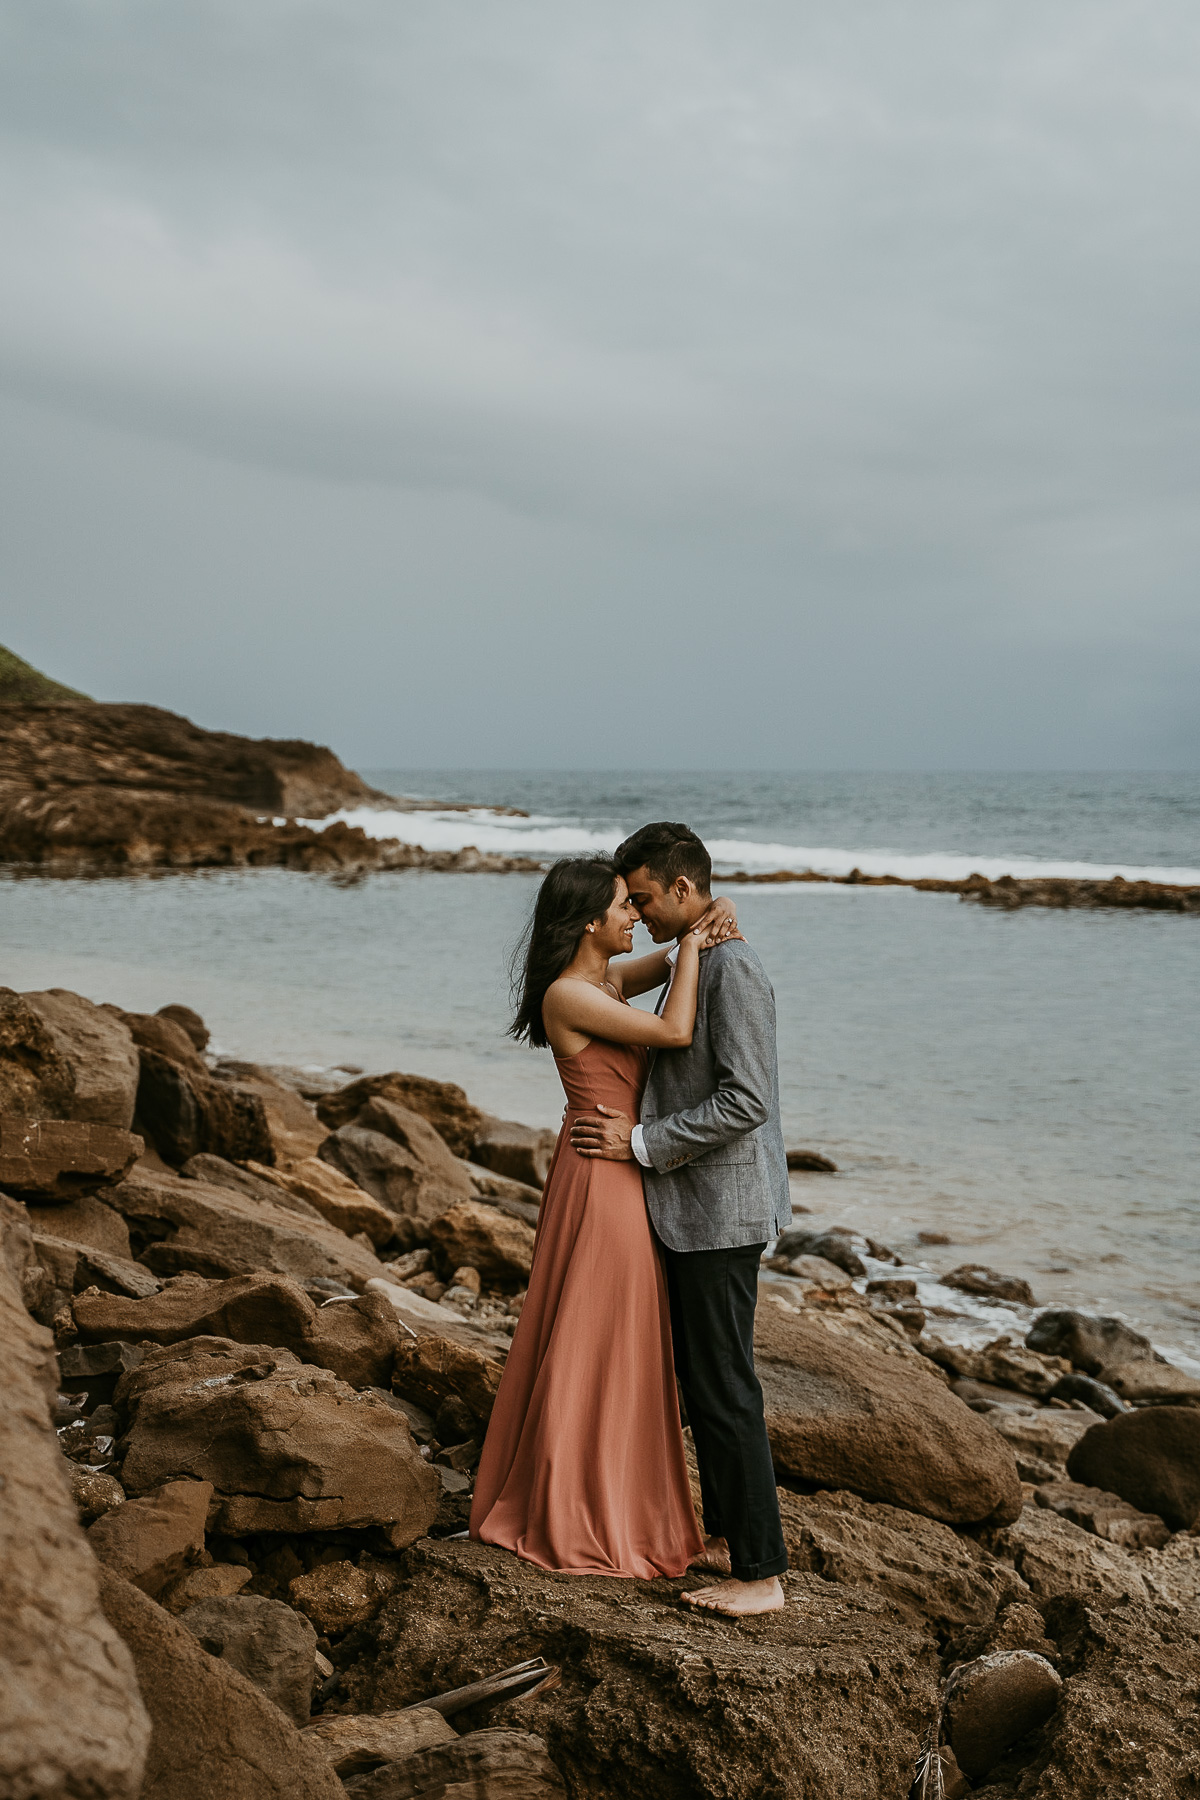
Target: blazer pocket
(729, 1156)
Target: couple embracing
(668, 1180)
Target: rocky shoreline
(255, 1320)
(87, 787)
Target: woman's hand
(717, 924)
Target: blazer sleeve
(740, 1016)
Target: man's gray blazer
(710, 1115)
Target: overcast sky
(532, 383)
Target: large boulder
(1058, 1560)
(429, 1370)
(485, 1238)
(355, 1744)
(444, 1104)
(522, 1152)
(179, 1226)
(995, 1701)
(151, 1540)
(45, 1160)
(73, 1722)
(37, 1078)
(286, 1445)
(87, 1222)
(397, 1158)
(1150, 1458)
(292, 1124)
(265, 1641)
(246, 1179)
(213, 1733)
(73, 1267)
(844, 1416)
(166, 1036)
(356, 1338)
(187, 1113)
(339, 1200)
(492, 1764)
(1095, 1344)
(100, 1053)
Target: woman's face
(614, 932)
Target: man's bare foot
(714, 1556)
(737, 1598)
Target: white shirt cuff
(637, 1144)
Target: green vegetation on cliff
(20, 682)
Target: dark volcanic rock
(442, 1103)
(1150, 1458)
(1093, 1344)
(994, 1702)
(61, 1159)
(1095, 1394)
(831, 1695)
(843, 1416)
(834, 1243)
(213, 1733)
(265, 1641)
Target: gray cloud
(838, 361)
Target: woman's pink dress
(583, 1467)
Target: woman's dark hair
(573, 894)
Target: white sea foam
(544, 836)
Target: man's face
(665, 912)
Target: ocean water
(1024, 1082)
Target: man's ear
(682, 887)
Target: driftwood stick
(521, 1681)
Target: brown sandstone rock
(88, 1222)
(995, 1701)
(338, 1595)
(265, 1641)
(1150, 1458)
(245, 1178)
(428, 1370)
(178, 1225)
(442, 1103)
(357, 1338)
(1058, 1560)
(95, 1493)
(490, 1186)
(294, 1130)
(73, 1267)
(286, 1445)
(834, 1244)
(1040, 1435)
(1093, 1344)
(1003, 1362)
(976, 1278)
(191, 1022)
(150, 1540)
(498, 1246)
(60, 1159)
(414, 1186)
(357, 1742)
(338, 1199)
(37, 1078)
(186, 1114)
(522, 1152)
(831, 1695)
(100, 1052)
(1106, 1515)
(159, 1032)
(1155, 1384)
(847, 1417)
(491, 1764)
(72, 1723)
(214, 1734)
(216, 1582)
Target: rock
(467, 1278)
(844, 1314)
(844, 1416)
(337, 1596)
(217, 1582)
(185, 1114)
(1150, 1458)
(491, 1764)
(499, 1247)
(892, 1287)
(155, 1031)
(286, 1445)
(88, 1222)
(522, 1152)
(834, 1245)
(1096, 1395)
(811, 1160)
(213, 1733)
(95, 1493)
(338, 1199)
(218, 1171)
(975, 1278)
(933, 1579)
(71, 1267)
(1155, 1384)
(429, 1370)
(265, 1641)
(74, 1724)
(191, 1022)
(488, 1185)
(150, 1540)
(179, 1226)
(996, 1701)
(1048, 1435)
(816, 1269)
(37, 1078)
(1001, 1362)
(933, 1237)
(60, 1159)
(97, 1367)
(444, 1105)
(427, 1319)
(18, 1255)
(356, 1743)
(355, 1338)
(1057, 1560)
(100, 1053)
(1093, 1344)
(1106, 1515)
(654, 1699)
(414, 1187)
(294, 1130)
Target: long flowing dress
(583, 1467)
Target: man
(711, 1145)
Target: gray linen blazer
(710, 1116)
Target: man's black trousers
(713, 1294)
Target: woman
(583, 1467)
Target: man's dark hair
(668, 851)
